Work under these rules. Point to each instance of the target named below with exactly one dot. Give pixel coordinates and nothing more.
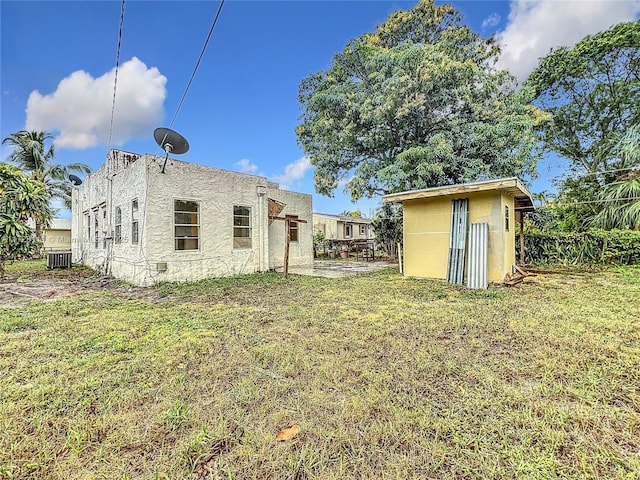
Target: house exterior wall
(57, 238)
(154, 258)
(427, 226)
(334, 227)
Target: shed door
(457, 241)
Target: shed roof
(513, 185)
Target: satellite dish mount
(75, 180)
(171, 142)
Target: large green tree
(592, 91)
(416, 104)
(32, 155)
(22, 200)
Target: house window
(348, 231)
(186, 220)
(88, 223)
(363, 229)
(104, 227)
(118, 225)
(241, 227)
(293, 231)
(134, 220)
(506, 218)
(96, 229)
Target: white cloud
(491, 21)
(246, 166)
(536, 26)
(293, 171)
(80, 108)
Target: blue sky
(58, 59)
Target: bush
(593, 247)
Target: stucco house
(342, 227)
(464, 231)
(57, 236)
(132, 221)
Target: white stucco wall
(154, 259)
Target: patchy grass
(387, 377)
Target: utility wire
(193, 74)
(115, 78)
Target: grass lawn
(387, 377)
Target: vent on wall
(161, 267)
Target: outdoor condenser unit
(59, 260)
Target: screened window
(348, 231)
(134, 221)
(293, 231)
(241, 227)
(186, 220)
(506, 218)
(363, 229)
(104, 227)
(95, 229)
(118, 225)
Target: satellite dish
(75, 180)
(171, 142)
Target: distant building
(57, 237)
(342, 227)
(143, 226)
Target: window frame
(363, 229)
(135, 221)
(117, 225)
(294, 231)
(96, 228)
(197, 225)
(348, 231)
(242, 242)
(506, 218)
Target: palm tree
(31, 155)
(621, 198)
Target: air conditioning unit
(58, 260)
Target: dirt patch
(19, 288)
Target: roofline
(345, 218)
(510, 184)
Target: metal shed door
(478, 249)
(457, 241)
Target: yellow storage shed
(464, 231)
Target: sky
(58, 59)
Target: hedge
(593, 247)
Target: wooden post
(521, 238)
(287, 225)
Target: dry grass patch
(387, 377)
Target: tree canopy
(22, 199)
(31, 154)
(592, 91)
(415, 104)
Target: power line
(193, 74)
(115, 78)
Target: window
(363, 229)
(506, 218)
(348, 231)
(186, 221)
(95, 229)
(88, 223)
(293, 231)
(104, 227)
(134, 220)
(241, 227)
(118, 225)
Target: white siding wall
(154, 259)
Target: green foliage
(387, 226)
(593, 93)
(594, 247)
(31, 155)
(21, 200)
(414, 105)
